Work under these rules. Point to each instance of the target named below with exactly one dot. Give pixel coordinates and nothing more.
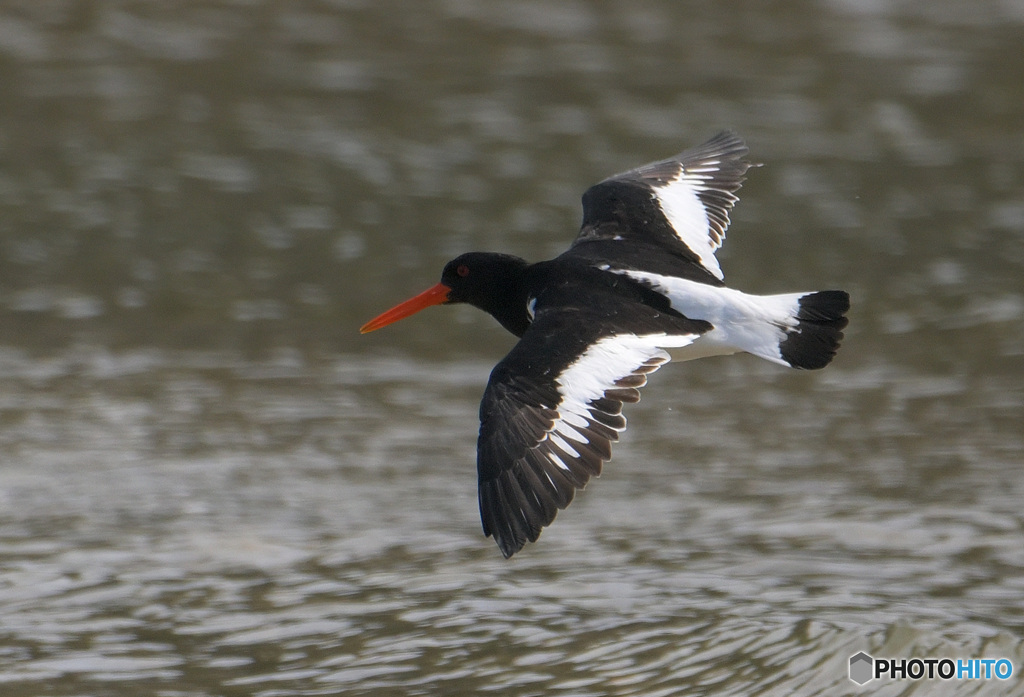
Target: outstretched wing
(681, 204)
(549, 415)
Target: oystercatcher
(641, 277)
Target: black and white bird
(640, 279)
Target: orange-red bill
(431, 296)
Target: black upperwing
(552, 410)
(680, 205)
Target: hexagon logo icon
(861, 668)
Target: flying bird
(641, 278)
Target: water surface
(212, 485)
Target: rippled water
(212, 485)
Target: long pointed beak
(431, 296)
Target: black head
(483, 279)
(492, 282)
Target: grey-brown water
(212, 485)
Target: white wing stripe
(686, 214)
(603, 363)
(573, 420)
(562, 445)
(557, 461)
(567, 431)
(600, 366)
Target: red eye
(462, 270)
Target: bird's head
(483, 279)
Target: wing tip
(727, 138)
(727, 147)
(508, 522)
